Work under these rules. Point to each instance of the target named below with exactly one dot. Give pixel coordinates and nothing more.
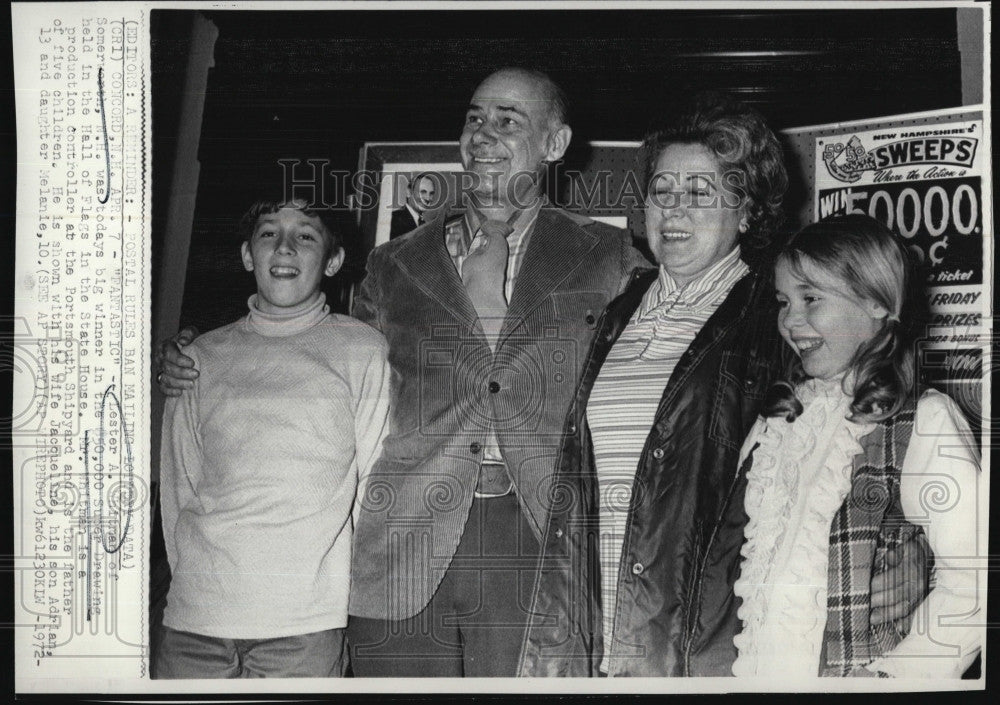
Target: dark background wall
(316, 85)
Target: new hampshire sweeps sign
(847, 162)
(926, 184)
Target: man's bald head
(558, 104)
(514, 126)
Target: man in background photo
(420, 192)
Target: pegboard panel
(608, 185)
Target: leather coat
(676, 612)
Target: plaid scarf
(869, 522)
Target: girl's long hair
(875, 265)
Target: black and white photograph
(524, 347)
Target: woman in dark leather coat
(642, 546)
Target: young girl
(846, 461)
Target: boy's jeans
(186, 655)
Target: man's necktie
(484, 274)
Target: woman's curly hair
(748, 152)
(875, 266)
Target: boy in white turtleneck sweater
(261, 464)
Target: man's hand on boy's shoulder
(175, 371)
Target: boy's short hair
(331, 234)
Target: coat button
(494, 387)
(474, 448)
(749, 383)
(590, 319)
(572, 428)
(559, 533)
(658, 453)
(637, 568)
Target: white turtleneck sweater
(260, 467)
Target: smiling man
(514, 126)
(488, 315)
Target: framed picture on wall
(601, 185)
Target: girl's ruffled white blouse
(800, 476)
